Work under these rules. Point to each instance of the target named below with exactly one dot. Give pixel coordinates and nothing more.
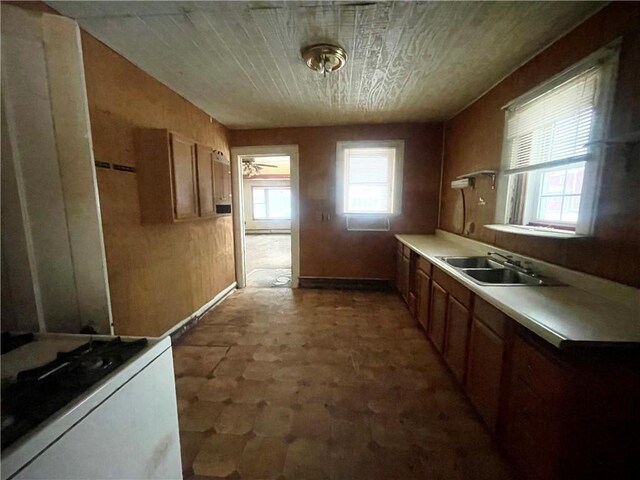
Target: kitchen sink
(501, 276)
(490, 272)
(472, 262)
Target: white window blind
(553, 128)
(369, 180)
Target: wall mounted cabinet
(206, 181)
(179, 179)
(222, 175)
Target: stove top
(35, 394)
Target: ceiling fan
(250, 168)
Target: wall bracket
(490, 173)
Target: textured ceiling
(408, 61)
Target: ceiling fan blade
(265, 165)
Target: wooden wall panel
(158, 274)
(327, 249)
(473, 141)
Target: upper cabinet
(206, 180)
(179, 179)
(222, 183)
(183, 169)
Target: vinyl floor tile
(305, 384)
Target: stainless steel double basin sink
(489, 272)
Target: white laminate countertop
(562, 315)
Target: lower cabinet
(424, 299)
(437, 316)
(484, 372)
(559, 414)
(535, 415)
(457, 337)
(414, 287)
(403, 267)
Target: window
(271, 203)
(551, 168)
(369, 177)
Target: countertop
(562, 315)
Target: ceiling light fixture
(324, 58)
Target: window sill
(535, 231)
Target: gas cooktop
(35, 394)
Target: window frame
(396, 183)
(607, 60)
(266, 188)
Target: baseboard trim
(375, 284)
(191, 321)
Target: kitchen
(475, 369)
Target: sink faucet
(515, 264)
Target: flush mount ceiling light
(324, 58)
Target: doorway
(266, 216)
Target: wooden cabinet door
(183, 161)
(222, 174)
(438, 316)
(399, 270)
(406, 267)
(402, 273)
(424, 299)
(206, 199)
(457, 337)
(484, 371)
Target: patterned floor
(306, 384)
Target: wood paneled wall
(473, 141)
(158, 274)
(327, 249)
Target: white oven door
(133, 434)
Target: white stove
(89, 407)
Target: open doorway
(267, 220)
(266, 216)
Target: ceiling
(408, 61)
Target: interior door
(184, 178)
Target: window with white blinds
(551, 164)
(368, 174)
(553, 129)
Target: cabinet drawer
(544, 376)
(453, 287)
(493, 318)
(406, 250)
(424, 265)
